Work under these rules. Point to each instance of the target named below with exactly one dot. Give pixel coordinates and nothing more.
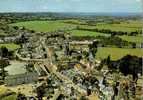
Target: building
(21, 79)
(19, 74)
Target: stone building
(21, 79)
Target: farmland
(128, 26)
(10, 46)
(11, 97)
(117, 53)
(81, 33)
(5, 91)
(44, 26)
(123, 26)
(136, 39)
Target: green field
(136, 39)
(4, 91)
(11, 97)
(10, 46)
(117, 53)
(2, 32)
(44, 26)
(129, 26)
(86, 33)
(47, 26)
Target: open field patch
(44, 26)
(10, 46)
(136, 39)
(87, 33)
(117, 53)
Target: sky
(70, 6)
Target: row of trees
(107, 41)
(115, 41)
(5, 53)
(109, 31)
(4, 62)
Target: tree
(115, 89)
(85, 54)
(32, 31)
(131, 65)
(40, 92)
(133, 45)
(79, 57)
(21, 40)
(16, 27)
(3, 64)
(83, 98)
(30, 67)
(4, 52)
(93, 48)
(21, 97)
(108, 60)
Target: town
(69, 53)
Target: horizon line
(61, 12)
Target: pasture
(81, 33)
(44, 26)
(47, 26)
(117, 53)
(10, 46)
(136, 39)
(129, 26)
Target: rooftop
(16, 67)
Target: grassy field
(116, 28)
(11, 97)
(87, 33)
(123, 26)
(117, 53)
(136, 39)
(112, 27)
(132, 24)
(3, 91)
(10, 46)
(44, 26)
(74, 21)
